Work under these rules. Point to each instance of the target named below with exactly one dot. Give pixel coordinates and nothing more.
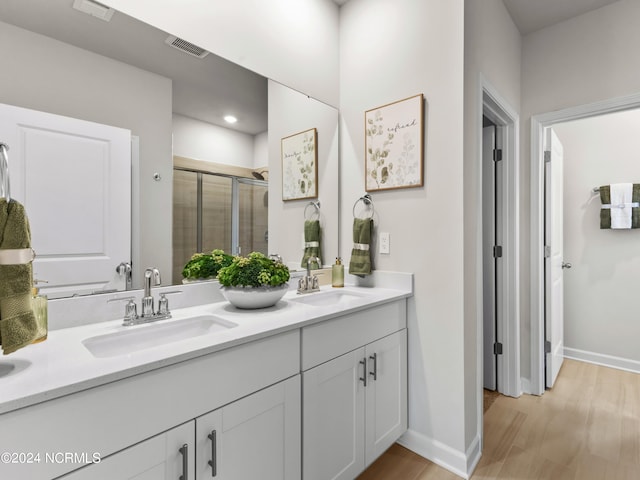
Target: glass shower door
(185, 202)
(215, 211)
(253, 203)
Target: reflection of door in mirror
(74, 179)
(214, 211)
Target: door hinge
(547, 156)
(497, 155)
(497, 251)
(547, 251)
(497, 348)
(547, 346)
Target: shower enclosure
(217, 211)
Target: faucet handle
(130, 309)
(275, 257)
(163, 302)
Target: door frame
(538, 124)
(499, 111)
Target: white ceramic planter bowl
(250, 298)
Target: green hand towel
(313, 246)
(360, 263)
(18, 326)
(605, 213)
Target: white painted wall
(582, 60)
(492, 50)
(203, 141)
(291, 41)
(600, 299)
(44, 74)
(261, 151)
(390, 50)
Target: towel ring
(316, 205)
(367, 200)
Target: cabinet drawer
(326, 340)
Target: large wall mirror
(121, 72)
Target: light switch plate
(384, 242)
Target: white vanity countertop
(62, 364)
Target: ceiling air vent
(94, 9)
(186, 47)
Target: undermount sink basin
(323, 299)
(136, 338)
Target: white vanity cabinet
(167, 456)
(319, 396)
(355, 403)
(111, 418)
(255, 437)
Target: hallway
(587, 427)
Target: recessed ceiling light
(230, 119)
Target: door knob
(566, 265)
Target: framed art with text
(394, 145)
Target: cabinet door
(159, 458)
(255, 437)
(386, 393)
(333, 418)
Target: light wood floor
(586, 428)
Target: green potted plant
(254, 281)
(205, 266)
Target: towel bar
(368, 201)
(316, 205)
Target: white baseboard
(602, 359)
(457, 462)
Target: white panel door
(255, 437)
(386, 394)
(74, 178)
(488, 260)
(333, 418)
(163, 457)
(554, 261)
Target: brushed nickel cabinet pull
(374, 357)
(184, 450)
(213, 462)
(363, 362)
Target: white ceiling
(204, 89)
(532, 15)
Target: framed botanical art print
(394, 145)
(300, 165)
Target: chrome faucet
(147, 300)
(309, 283)
(149, 314)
